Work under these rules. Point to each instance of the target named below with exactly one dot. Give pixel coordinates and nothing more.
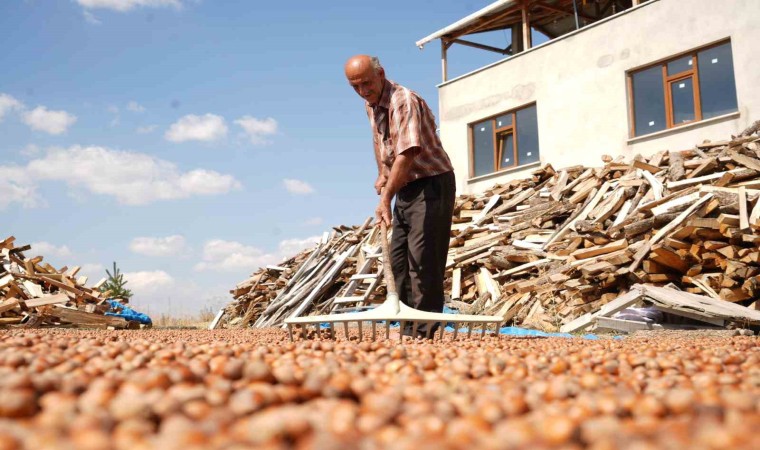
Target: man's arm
(399, 176)
(382, 169)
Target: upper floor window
(507, 140)
(688, 88)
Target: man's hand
(383, 212)
(380, 183)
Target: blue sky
(192, 141)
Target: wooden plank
(711, 320)
(524, 267)
(5, 280)
(656, 185)
(215, 323)
(665, 199)
(456, 284)
(489, 206)
(623, 213)
(668, 258)
(754, 217)
(46, 300)
(676, 203)
(556, 192)
(676, 170)
(646, 167)
(34, 289)
(697, 180)
(78, 317)
(743, 216)
(749, 162)
(585, 253)
(628, 326)
(699, 304)
(620, 303)
(8, 304)
(664, 231)
(604, 211)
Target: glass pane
(483, 152)
(527, 136)
(683, 100)
(507, 149)
(648, 101)
(504, 121)
(717, 88)
(680, 65)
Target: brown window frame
(497, 150)
(667, 81)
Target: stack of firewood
(306, 282)
(35, 294)
(544, 250)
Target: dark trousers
(421, 228)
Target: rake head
(392, 310)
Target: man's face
(366, 82)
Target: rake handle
(390, 282)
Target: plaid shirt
(402, 120)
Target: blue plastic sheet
(125, 312)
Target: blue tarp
(125, 312)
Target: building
(617, 77)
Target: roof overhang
(461, 26)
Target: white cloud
(256, 129)
(147, 281)
(135, 107)
(297, 186)
(93, 271)
(147, 129)
(225, 256)
(30, 150)
(128, 5)
(314, 221)
(291, 247)
(208, 127)
(51, 122)
(8, 103)
(158, 246)
(16, 187)
(91, 19)
(230, 256)
(47, 249)
(133, 178)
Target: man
(413, 167)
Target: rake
(393, 310)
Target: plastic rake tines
(381, 318)
(393, 310)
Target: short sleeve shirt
(402, 120)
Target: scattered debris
(35, 294)
(543, 251)
(340, 273)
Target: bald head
(366, 76)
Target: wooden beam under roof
(561, 10)
(484, 25)
(503, 51)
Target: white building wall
(578, 82)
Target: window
(504, 141)
(684, 89)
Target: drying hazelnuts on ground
(237, 389)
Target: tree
(115, 284)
